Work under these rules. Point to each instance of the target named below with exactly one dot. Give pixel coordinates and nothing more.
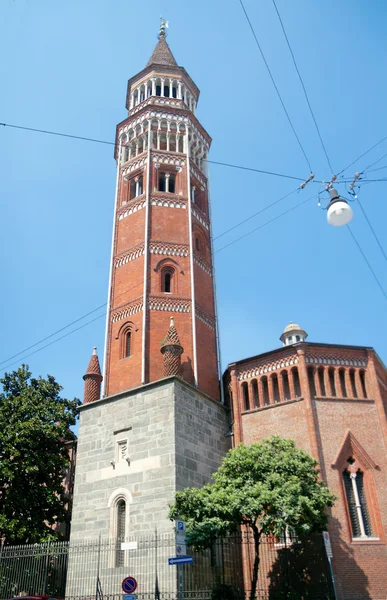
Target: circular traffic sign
(129, 584)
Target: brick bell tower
(161, 264)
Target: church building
(161, 421)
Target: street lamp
(338, 211)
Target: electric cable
(97, 141)
(275, 85)
(372, 229)
(125, 292)
(264, 224)
(303, 87)
(367, 262)
(361, 156)
(255, 214)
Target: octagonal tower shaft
(162, 259)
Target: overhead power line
(256, 214)
(264, 224)
(367, 262)
(372, 229)
(364, 154)
(303, 87)
(274, 84)
(130, 289)
(97, 141)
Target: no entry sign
(129, 585)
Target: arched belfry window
(167, 280)
(167, 182)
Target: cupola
(293, 334)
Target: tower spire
(171, 349)
(162, 54)
(92, 379)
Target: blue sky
(65, 66)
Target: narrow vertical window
(296, 382)
(321, 380)
(128, 343)
(285, 383)
(246, 399)
(357, 504)
(363, 383)
(172, 183)
(342, 383)
(331, 373)
(162, 182)
(197, 244)
(276, 393)
(312, 386)
(158, 90)
(353, 383)
(265, 391)
(120, 533)
(254, 387)
(167, 283)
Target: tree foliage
(269, 487)
(34, 425)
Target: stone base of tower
(136, 449)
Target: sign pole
(180, 567)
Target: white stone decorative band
(132, 208)
(202, 264)
(169, 304)
(127, 311)
(288, 362)
(201, 219)
(329, 360)
(205, 317)
(168, 249)
(131, 254)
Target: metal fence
(94, 570)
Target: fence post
(44, 591)
(98, 586)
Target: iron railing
(94, 569)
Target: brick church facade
(332, 400)
(161, 421)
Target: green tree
(34, 425)
(269, 487)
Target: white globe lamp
(339, 212)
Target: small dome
(293, 334)
(291, 327)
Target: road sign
(129, 585)
(180, 560)
(180, 526)
(129, 597)
(181, 549)
(327, 543)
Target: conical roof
(162, 54)
(172, 335)
(94, 368)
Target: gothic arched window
(357, 503)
